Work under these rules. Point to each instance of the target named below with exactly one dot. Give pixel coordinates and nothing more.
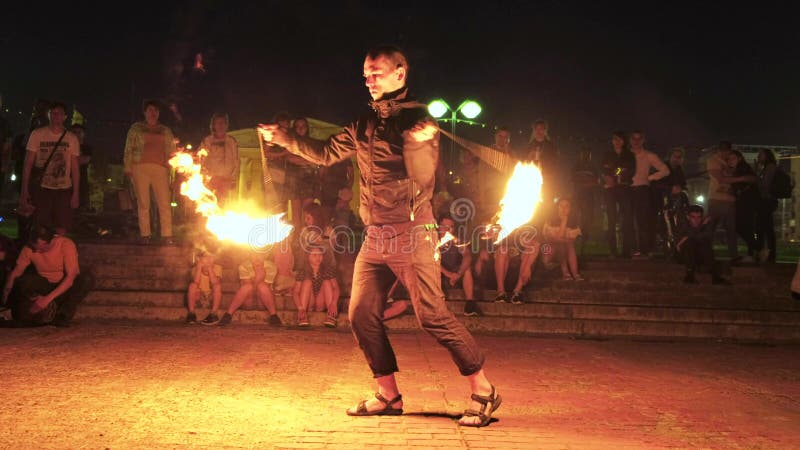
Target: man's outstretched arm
(338, 147)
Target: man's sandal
(385, 411)
(490, 404)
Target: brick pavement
(161, 385)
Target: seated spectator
(560, 233)
(206, 283)
(316, 289)
(456, 263)
(523, 243)
(744, 186)
(256, 274)
(50, 293)
(695, 244)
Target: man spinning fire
(396, 145)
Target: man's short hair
(215, 116)
(40, 232)
(151, 102)
(390, 52)
(620, 134)
(54, 105)
(501, 128)
(539, 122)
(725, 145)
(694, 209)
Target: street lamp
(468, 108)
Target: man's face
(301, 127)
(637, 140)
(220, 125)
(502, 138)
(540, 132)
(151, 114)
(382, 76)
(617, 141)
(446, 225)
(695, 219)
(57, 117)
(41, 246)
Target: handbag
(37, 173)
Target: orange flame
(228, 225)
(523, 194)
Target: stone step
(574, 327)
(539, 309)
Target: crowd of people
(645, 200)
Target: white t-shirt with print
(57, 174)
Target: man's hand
(40, 303)
(453, 277)
(681, 242)
(422, 132)
(273, 134)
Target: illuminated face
(151, 115)
(563, 208)
(540, 132)
(446, 225)
(502, 139)
(41, 246)
(617, 142)
(308, 219)
(637, 140)
(732, 160)
(301, 127)
(220, 126)
(381, 76)
(695, 219)
(315, 258)
(57, 116)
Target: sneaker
(274, 320)
(210, 319)
(303, 323)
(225, 321)
(501, 298)
(330, 322)
(578, 278)
(516, 298)
(191, 318)
(689, 278)
(471, 308)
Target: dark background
(686, 74)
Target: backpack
(782, 184)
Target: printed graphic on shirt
(57, 173)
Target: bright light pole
(468, 108)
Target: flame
(523, 193)
(234, 226)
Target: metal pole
(453, 159)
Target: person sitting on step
(560, 233)
(695, 244)
(206, 283)
(315, 289)
(456, 262)
(50, 293)
(256, 275)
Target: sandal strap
(362, 407)
(388, 403)
(473, 413)
(483, 399)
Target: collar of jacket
(391, 106)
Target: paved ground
(134, 385)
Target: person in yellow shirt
(206, 283)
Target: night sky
(687, 75)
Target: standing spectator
(765, 212)
(84, 160)
(618, 167)
(256, 275)
(695, 240)
(721, 201)
(744, 185)
(584, 186)
(19, 155)
(561, 232)
(307, 186)
(206, 283)
(52, 291)
(222, 162)
(641, 197)
(664, 190)
(147, 149)
(542, 151)
(51, 176)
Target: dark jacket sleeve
(338, 147)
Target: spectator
(666, 189)
(84, 160)
(744, 185)
(256, 275)
(52, 291)
(542, 151)
(765, 218)
(618, 167)
(584, 186)
(307, 181)
(523, 242)
(19, 153)
(316, 289)
(721, 201)
(222, 162)
(51, 177)
(147, 149)
(206, 283)
(695, 242)
(561, 232)
(641, 197)
(455, 266)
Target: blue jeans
(405, 251)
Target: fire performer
(396, 145)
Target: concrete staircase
(631, 299)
